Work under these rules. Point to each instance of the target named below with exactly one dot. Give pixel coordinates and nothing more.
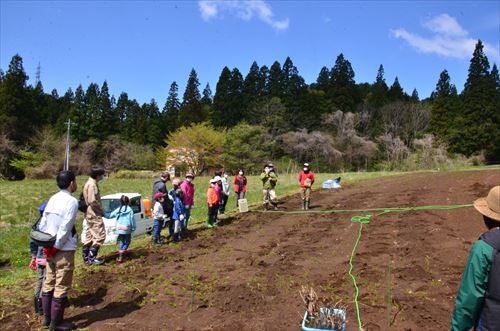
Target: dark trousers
(212, 213)
(223, 203)
(239, 195)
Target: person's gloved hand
(50, 251)
(181, 217)
(32, 264)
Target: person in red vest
(306, 180)
(240, 186)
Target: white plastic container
(243, 205)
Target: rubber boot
(35, 304)
(275, 204)
(307, 205)
(303, 205)
(120, 256)
(46, 307)
(266, 206)
(57, 312)
(93, 260)
(37, 301)
(85, 254)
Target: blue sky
(140, 47)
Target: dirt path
(246, 274)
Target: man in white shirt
(59, 219)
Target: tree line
(361, 124)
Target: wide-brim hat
(490, 205)
(217, 178)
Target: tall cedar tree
(479, 120)
(275, 82)
(252, 92)
(191, 110)
(292, 81)
(79, 117)
(16, 113)
(414, 96)
(151, 117)
(264, 81)
(343, 87)
(222, 99)
(493, 154)
(134, 127)
(39, 111)
(396, 92)
(93, 111)
(206, 98)
(110, 121)
(62, 114)
(293, 85)
(121, 110)
(444, 107)
(237, 109)
(171, 110)
(323, 81)
(378, 96)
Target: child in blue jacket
(179, 213)
(125, 225)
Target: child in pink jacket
(187, 188)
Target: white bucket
(243, 205)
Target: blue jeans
(157, 226)
(124, 240)
(187, 211)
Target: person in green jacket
(269, 180)
(478, 300)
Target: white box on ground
(243, 205)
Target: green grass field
(19, 203)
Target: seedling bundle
(321, 318)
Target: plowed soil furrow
(246, 274)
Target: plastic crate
(340, 312)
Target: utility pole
(66, 157)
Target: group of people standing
(218, 193)
(172, 208)
(269, 180)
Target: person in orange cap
(478, 300)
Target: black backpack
(82, 205)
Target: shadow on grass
(110, 311)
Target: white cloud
(446, 25)
(449, 39)
(245, 10)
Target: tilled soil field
(246, 274)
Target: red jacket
(212, 196)
(237, 184)
(303, 176)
